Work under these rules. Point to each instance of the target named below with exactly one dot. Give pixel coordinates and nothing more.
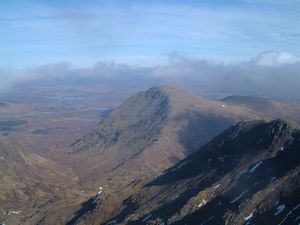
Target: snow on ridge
(217, 186)
(202, 203)
(248, 217)
(252, 170)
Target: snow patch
(248, 217)
(202, 203)
(217, 186)
(221, 159)
(148, 217)
(279, 209)
(239, 197)
(252, 170)
(206, 221)
(158, 175)
(161, 174)
(11, 213)
(288, 214)
(113, 222)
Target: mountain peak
(148, 108)
(165, 88)
(152, 130)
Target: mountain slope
(247, 175)
(150, 132)
(28, 181)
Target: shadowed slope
(248, 174)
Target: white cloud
(271, 73)
(275, 58)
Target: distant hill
(3, 104)
(266, 107)
(249, 174)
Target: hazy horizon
(245, 45)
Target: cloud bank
(275, 58)
(270, 73)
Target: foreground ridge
(249, 174)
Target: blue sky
(144, 32)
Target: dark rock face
(247, 175)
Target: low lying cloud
(275, 58)
(268, 74)
(271, 73)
